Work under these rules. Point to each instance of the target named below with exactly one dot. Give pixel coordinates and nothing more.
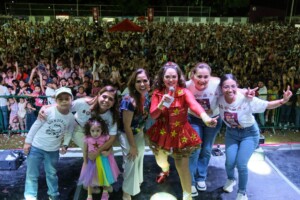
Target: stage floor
(274, 174)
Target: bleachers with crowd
(38, 58)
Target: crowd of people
(38, 58)
(186, 109)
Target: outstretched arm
(287, 94)
(198, 109)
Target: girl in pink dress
(104, 170)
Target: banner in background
(95, 13)
(150, 14)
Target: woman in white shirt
(242, 132)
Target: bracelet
(281, 102)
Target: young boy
(43, 142)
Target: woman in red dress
(171, 134)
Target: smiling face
(22, 83)
(201, 78)
(106, 100)
(11, 101)
(142, 83)
(63, 102)
(170, 78)
(229, 89)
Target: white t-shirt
(48, 134)
(263, 93)
(240, 112)
(83, 114)
(50, 93)
(208, 97)
(21, 109)
(3, 92)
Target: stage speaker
(11, 159)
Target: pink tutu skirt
(101, 172)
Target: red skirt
(177, 139)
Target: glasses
(227, 87)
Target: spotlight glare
(260, 167)
(162, 195)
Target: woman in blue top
(134, 111)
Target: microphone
(170, 93)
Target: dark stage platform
(274, 175)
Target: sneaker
(228, 187)
(30, 198)
(105, 196)
(201, 186)
(241, 196)
(194, 191)
(187, 197)
(54, 198)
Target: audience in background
(53, 51)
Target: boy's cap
(63, 90)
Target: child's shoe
(105, 196)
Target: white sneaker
(201, 186)
(194, 191)
(241, 196)
(228, 187)
(30, 198)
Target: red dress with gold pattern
(171, 131)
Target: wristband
(281, 102)
(66, 147)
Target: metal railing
(273, 126)
(46, 9)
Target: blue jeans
(4, 116)
(35, 158)
(262, 120)
(239, 146)
(199, 159)
(30, 118)
(285, 112)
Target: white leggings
(133, 170)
